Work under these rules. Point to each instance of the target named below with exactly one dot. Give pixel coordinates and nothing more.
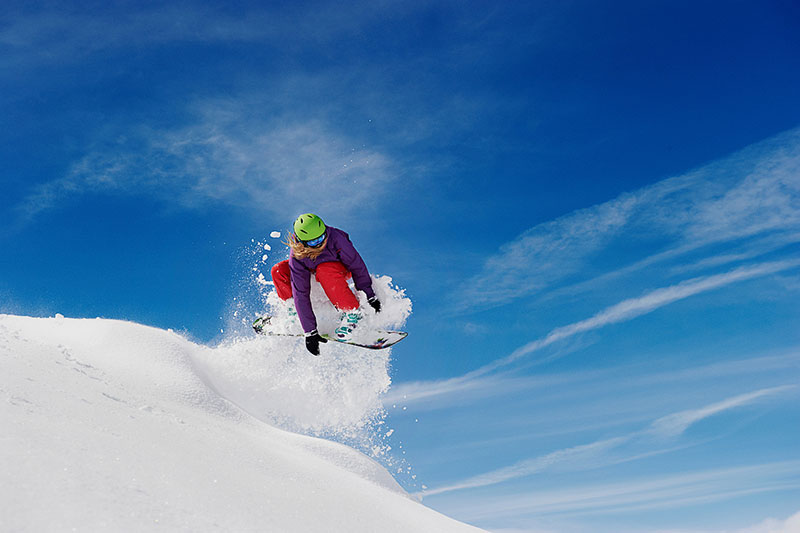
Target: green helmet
(309, 227)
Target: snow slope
(114, 426)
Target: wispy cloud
(744, 252)
(272, 144)
(752, 194)
(67, 33)
(635, 307)
(622, 311)
(511, 411)
(462, 391)
(771, 525)
(640, 495)
(597, 453)
(577, 455)
(229, 154)
(677, 423)
(285, 130)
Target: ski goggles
(314, 243)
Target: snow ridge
(111, 425)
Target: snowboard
(373, 340)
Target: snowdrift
(114, 426)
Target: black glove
(313, 338)
(375, 303)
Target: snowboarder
(328, 253)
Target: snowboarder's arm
(355, 264)
(301, 290)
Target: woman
(328, 253)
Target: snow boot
(348, 323)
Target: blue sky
(594, 206)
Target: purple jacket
(338, 248)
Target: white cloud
(575, 456)
(744, 252)
(64, 33)
(634, 307)
(599, 453)
(752, 194)
(771, 525)
(464, 390)
(420, 391)
(230, 154)
(625, 310)
(677, 423)
(275, 166)
(690, 488)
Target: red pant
(332, 276)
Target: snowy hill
(114, 426)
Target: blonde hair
(301, 251)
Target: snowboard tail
(373, 340)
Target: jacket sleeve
(301, 290)
(352, 260)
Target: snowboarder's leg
(333, 277)
(281, 277)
